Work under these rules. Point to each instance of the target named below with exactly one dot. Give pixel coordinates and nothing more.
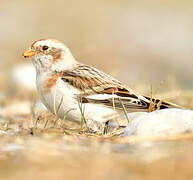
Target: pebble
(24, 75)
(162, 122)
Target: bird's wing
(100, 88)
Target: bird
(77, 92)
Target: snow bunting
(74, 90)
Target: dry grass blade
(65, 115)
(124, 110)
(46, 123)
(154, 105)
(114, 110)
(59, 106)
(83, 120)
(57, 110)
(150, 104)
(159, 104)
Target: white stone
(24, 75)
(162, 122)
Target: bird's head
(50, 55)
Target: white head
(50, 55)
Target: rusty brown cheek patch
(56, 57)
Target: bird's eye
(45, 48)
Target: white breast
(66, 95)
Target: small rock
(162, 122)
(24, 75)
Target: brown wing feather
(92, 81)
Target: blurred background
(142, 43)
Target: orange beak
(29, 53)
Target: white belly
(64, 94)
